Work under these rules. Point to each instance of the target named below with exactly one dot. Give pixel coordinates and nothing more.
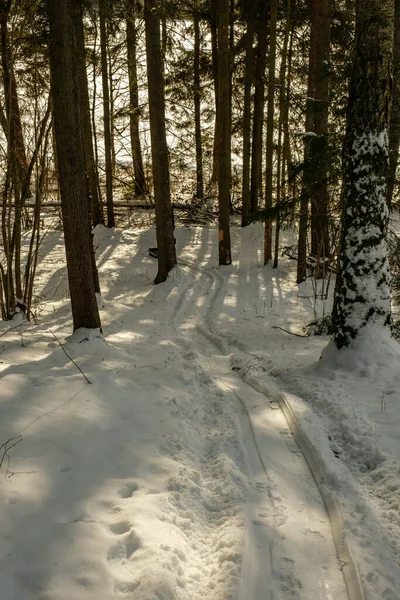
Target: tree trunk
(270, 132)
(214, 53)
(12, 122)
(307, 170)
(112, 111)
(394, 129)
(134, 112)
(248, 77)
(285, 122)
(71, 164)
(106, 113)
(197, 106)
(159, 149)
(96, 209)
(258, 114)
(280, 169)
(224, 133)
(319, 159)
(362, 295)
(93, 108)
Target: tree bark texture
(71, 164)
(214, 54)
(11, 124)
(307, 171)
(106, 113)
(134, 111)
(258, 113)
(224, 133)
(270, 131)
(90, 164)
(197, 108)
(394, 129)
(362, 295)
(159, 149)
(248, 78)
(280, 168)
(319, 150)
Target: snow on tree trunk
(362, 297)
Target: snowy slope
(168, 477)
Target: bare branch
(68, 356)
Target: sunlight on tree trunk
(159, 149)
(362, 297)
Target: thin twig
(9, 474)
(52, 410)
(291, 332)
(11, 329)
(6, 448)
(68, 356)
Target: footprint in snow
(125, 587)
(128, 490)
(107, 506)
(122, 551)
(120, 527)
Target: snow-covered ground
(170, 476)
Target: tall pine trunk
(214, 55)
(159, 149)
(71, 164)
(270, 132)
(258, 113)
(11, 121)
(197, 107)
(281, 158)
(224, 133)
(106, 113)
(90, 164)
(362, 295)
(248, 78)
(320, 249)
(134, 112)
(316, 159)
(394, 130)
(307, 168)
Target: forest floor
(173, 474)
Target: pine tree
(362, 295)
(103, 11)
(71, 164)
(394, 130)
(134, 111)
(159, 149)
(224, 133)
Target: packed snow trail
(288, 548)
(168, 477)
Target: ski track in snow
(280, 548)
(207, 497)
